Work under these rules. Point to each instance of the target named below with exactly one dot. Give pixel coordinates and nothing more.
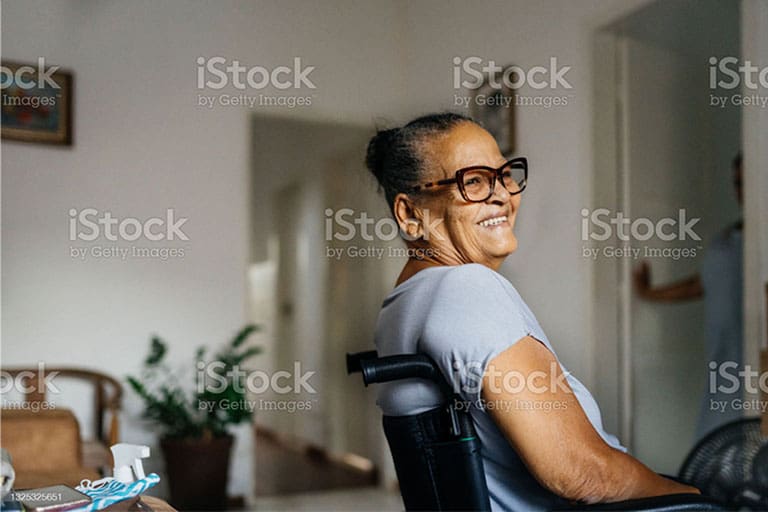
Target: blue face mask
(107, 491)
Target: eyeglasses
(477, 183)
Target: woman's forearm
(604, 475)
(627, 478)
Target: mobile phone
(51, 499)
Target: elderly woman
(455, 198)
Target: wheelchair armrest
(667, 503)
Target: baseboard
(351, 461)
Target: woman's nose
(500, 193)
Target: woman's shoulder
(473, 270)
(471, 284)
(448, 275)
(474, 278)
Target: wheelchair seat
(438, 456)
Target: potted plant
(194, 438)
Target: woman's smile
(494, 222)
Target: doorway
(663, 156)
(317, 300)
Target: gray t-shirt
(464, 316)
(722, 277)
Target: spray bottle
(128, 467)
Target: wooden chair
(107, 398)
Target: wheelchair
(438, 456)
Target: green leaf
(243, 334)
(157, 350)
(177, 412)
(247, 354)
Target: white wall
(142, 145)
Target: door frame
(612, 286)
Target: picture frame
(494, 108)
(36, 110)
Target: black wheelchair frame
(438, 456)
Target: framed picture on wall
(493, 106)
(36, 104)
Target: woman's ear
(408, 217)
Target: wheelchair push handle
(354, 360)
(401, 366)
(385, 369)
(377, 369)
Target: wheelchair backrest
(437, 453)
(437, 470)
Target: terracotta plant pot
(198, 471)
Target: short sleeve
(475, 315)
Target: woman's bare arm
(553, 436)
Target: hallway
(287, 469)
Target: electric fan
(731, 465)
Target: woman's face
(458, 230)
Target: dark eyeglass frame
(496, 173)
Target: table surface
(157, 505)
